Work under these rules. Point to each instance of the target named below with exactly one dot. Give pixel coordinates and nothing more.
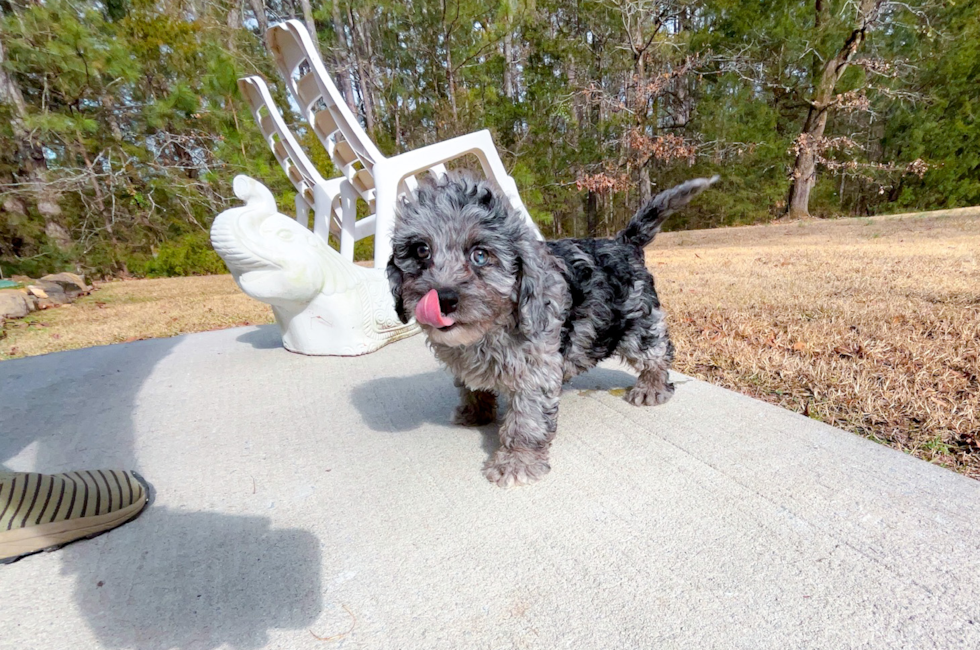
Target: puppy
(509, 314)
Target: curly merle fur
(534, 314)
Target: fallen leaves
(875, 335)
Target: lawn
(129, 310)
(872, 325)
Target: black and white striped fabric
(39, 511)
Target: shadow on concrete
(73, 410)
(168, 579)
(264, 337)
(402, 404)
(601, 379)
(218, 581)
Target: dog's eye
(479, 256)
(422, 251)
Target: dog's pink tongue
(428, 312)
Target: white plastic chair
(333, 201)
(378, 179)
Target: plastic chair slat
(344, 154)
(308, 91)
(363, 179)
(324, 124)
(267, 125)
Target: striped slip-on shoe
(42, 512)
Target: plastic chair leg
(348, 210)
(302, 211)
(387, 194)
(326, 197)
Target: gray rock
(11, 204)
(74, 285)
(50, 209)
(15, 303)
(56, 233)
(49, 294)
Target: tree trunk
(447, 42)
(591, 214)
(344, 59)
(234, 22)
(258, 8)
(804, 175)
(31, 156)
(94, 182)
(803, 180)
(510, 81)
(109, 108)
(574, 130)
(685, 104)
(372, 73)
(363, 80)
(646, 187)
(398, 125)
(310, 24)
(451, 84)
(578, 110)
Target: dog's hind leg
(574, 368)
(653, 386)
(476, 407)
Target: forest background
(121, 125)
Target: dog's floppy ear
(395, 282)
(534, 309)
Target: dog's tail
(646, 223)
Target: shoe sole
(49, 537)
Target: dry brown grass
(135, 309)
(872, 325)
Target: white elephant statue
(324, 305)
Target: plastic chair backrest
(298, 167)
(349, 146)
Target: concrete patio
(300, 497)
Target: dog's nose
(448, 299)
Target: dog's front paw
(474, 415)
(650, 395)
(510, 467)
